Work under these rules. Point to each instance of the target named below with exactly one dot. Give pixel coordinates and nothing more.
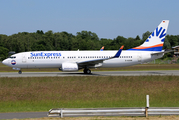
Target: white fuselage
(54, 59)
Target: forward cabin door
(24, 58)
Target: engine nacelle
(69, 67)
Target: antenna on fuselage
(11, 53)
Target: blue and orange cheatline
(150, 48)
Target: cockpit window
(12, 57)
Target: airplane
(70, 61)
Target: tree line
(84, 40)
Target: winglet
(119, 52)
(102, 48)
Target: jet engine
(69, 67)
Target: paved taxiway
(21, 115)
(94, 73)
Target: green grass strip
(42, 94)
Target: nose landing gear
(20, 72)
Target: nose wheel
(87, 71)
(20, 72)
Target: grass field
(44, 93)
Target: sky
(107, 18)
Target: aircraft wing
(97, 61)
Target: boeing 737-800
(150, 50)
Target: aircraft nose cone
(5, 62)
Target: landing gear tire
(20, 72)
(87, 71)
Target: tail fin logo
(157, 33)
(156, 40)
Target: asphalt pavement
(95, 73)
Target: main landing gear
(87, 71)
(20, 72)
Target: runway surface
(100, 73)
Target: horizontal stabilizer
(162, 52)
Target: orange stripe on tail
(141, 47)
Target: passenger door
(24, 58)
